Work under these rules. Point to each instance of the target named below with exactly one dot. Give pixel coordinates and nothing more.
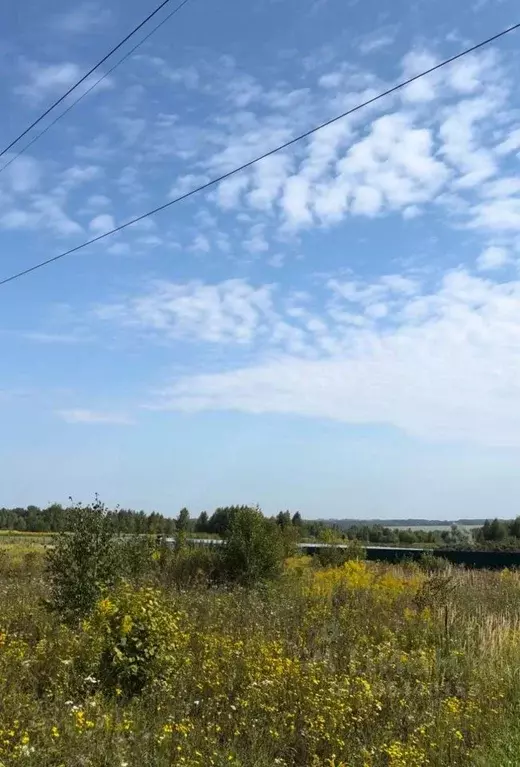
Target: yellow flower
(106, 607)
(126, 625)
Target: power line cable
(94, 85)
(85, 76)
(263, 156)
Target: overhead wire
(94, 85)
(389, 91)
(87, 75)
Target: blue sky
(335, 330)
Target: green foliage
(182, 527)
(496, 530)
(431, 563)
(201, 525)
(220, 521)
(254, 549)
(189, 566)
(183, 521)
(297, 519)
(284, 519)
(137, 557)
(138, 640)
(366, 664)
(334, 556)
(56, 519)
(83, 563)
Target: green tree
(83, 563)
(284, 519)
(254, 548)
(182, 527)
(220, 521)
(297, 519)
(201, 525)
(183, 520)
(498, 530)
(514, 528)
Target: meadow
(360, 665)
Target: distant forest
(496, 533)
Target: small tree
(183, 520)
(201, 525)
(182, 527)
(284, 519)
(83, 563)
(297, 519)
(254, 549)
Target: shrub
(431, 563)
(138, 640)
(254, 548)
(138, 556)
(83, 563)
(190, 565)
(333, 556)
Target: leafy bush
(138, 556)
(83, 563)
(334, 556)
(254, 548)
(138, 640)
(431, 563)
(190, 565)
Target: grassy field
(357, 666)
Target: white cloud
(256, 242)
(375, 42)
(83, 416)
(17, 219)
(229, 191)
(83, 18)
(98, 201)
(510, 144)
(462, 145)
(23, 175)
(46, 80)
(423, 90)
(200, 244)
(435, 143)
(501, 215)
(49, 212)
(493, 257)
(296, 199)
(228, 312)
(442, 365)
(102, 223)
(186, 183)
(80, 174)
(119, 249)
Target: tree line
(57, 518)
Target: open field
(357, 666)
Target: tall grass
(361, 665)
